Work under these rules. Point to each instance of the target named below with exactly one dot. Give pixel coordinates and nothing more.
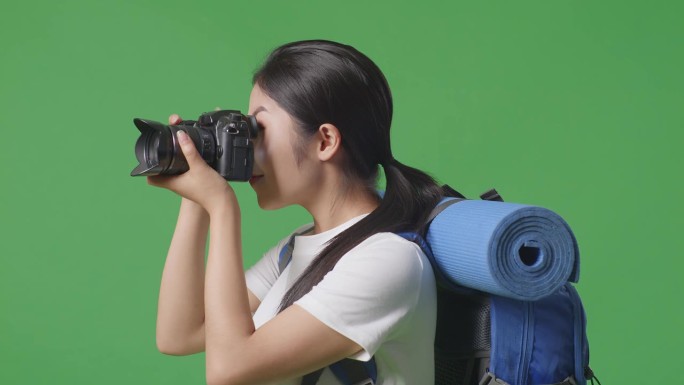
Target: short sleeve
(371, 291)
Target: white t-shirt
(381, 295)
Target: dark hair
(317, 82)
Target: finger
(151, 180)
(157, 180)
(188, 147)
(175, 119)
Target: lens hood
(154, 148)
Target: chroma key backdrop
(576, 106)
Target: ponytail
(409, 198)
(411, 193)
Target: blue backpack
(486, 338)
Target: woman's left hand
(201, 183)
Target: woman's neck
(339, 206)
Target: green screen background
(571, 105)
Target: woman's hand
(201, 183)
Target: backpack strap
(491, 195)
(491, 379)
(441, 207)
(312, 378)
(285, 255)
(353, 372)
(347, 371)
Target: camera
(223, 138)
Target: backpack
(512, 338)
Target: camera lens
(151, 147)
(159, 153)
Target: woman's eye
(260, 130)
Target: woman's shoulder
(274, 252)
(388, 250)
(305, 228)
(391, 241)
(301, 230)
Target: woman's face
(277, 178)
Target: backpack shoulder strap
(347, 371)
(285, 255)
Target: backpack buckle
(491, 379)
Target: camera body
(224, 139)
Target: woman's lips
(255, 178)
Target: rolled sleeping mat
(507, 249)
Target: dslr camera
(223, 138)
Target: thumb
(188, 147)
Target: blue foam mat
(508, 249)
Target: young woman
(353, 288)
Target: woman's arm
(292, 344)
(180, 311)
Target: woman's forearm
(180, 313)
(228, 322)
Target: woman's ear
(328, 141)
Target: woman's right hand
(175, 119)
(200, 183)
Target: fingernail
(182, 136)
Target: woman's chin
(268, 204)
